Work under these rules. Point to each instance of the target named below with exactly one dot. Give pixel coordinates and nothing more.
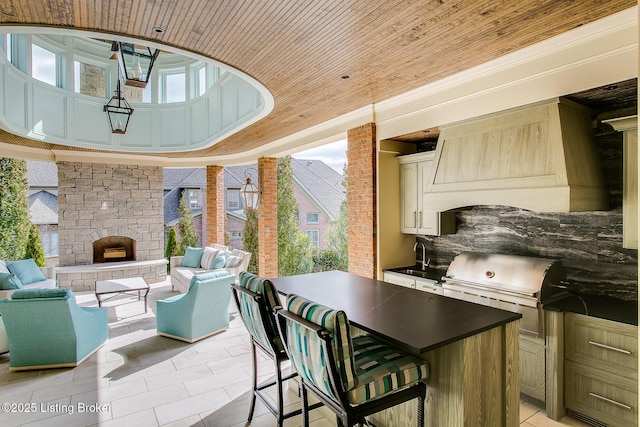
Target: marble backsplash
(588, 243)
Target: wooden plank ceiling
(303, 50)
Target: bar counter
(472, 349)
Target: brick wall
(268, 218)
(215, 215)
(361, 200)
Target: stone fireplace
(110, 223)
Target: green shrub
(34, 247)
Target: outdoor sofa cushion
(26, 270)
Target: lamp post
(250, 193)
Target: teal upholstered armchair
(46, 329)
(202, 311)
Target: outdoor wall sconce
(250, 193)
(135, 62)
(118, 111)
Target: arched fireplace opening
(114, 249)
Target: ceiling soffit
(301, 54)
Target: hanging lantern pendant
(118, 111)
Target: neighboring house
(43, 203)
(318, 191)
(191, 181)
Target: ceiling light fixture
(135, 62)
(118, 110)
(158, 30)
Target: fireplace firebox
(114, 249)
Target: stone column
(216, 211)
(361, 200)
(268, 217)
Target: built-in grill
(514, 283)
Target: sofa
(24, 274)
(200, 312)
(47, 329)
(203, 260)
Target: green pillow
(26, 270)
(192, 257)
(41, 293)
(219, 262)
(9, 281)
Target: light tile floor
(140, 379)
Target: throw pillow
(232, 261)
(26, 270)
(219, 262)
(3, 267)
(9, 281)
(192, 257)
(42, 293)
(208, 256)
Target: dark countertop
(429, 273)
(598, 306)
(411, 319)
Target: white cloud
(334, 154)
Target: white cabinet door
(416, 217)
(409, 197)
(399, 279)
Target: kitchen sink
(412, 272)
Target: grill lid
(520, 274)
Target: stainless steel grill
(510, 282)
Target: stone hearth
(99, 201)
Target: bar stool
(352, 377)
(257, 299)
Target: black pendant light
(118, 110)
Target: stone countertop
(615, 309)
(429, 273)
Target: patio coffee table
(120, 287)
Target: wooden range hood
(540, 157)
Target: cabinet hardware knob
(619, 350)
(490, 274)
(597, 396)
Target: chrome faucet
(424, 263)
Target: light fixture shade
(250, 195)
(119, 111)
(135, 62)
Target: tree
(294, 246)
(172, 247)
(338, 234)
(250, 239)
(34, 247)
(188, 236)
(14, 209)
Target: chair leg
(255, 380)
(279, 385)
(305, 405)
(420, 417)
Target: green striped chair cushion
(267, 334)
(306, 348)
(381, 369)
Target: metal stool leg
(255, 380)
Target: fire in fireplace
(114, 249)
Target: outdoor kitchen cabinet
(601, 370)
(424, 285)
(416, 217)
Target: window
(313, 218)
(49, 239)
(314, 235)
(235, 235)
(174, 86)
(202, 81)
(44, 65)
(233, 198)
(89, 79)
(193, 196)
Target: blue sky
(333, 154)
